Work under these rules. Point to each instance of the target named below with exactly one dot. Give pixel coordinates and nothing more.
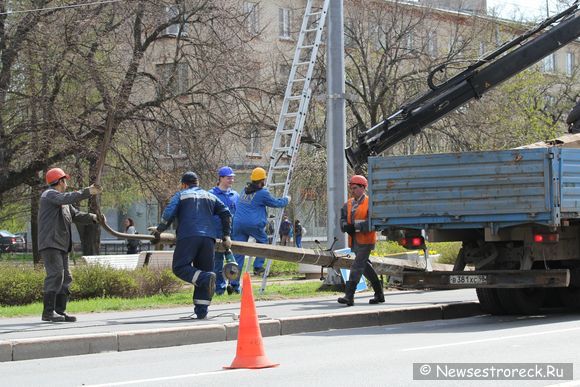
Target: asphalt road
(377, 356)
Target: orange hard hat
(55, 174)
(360, 180)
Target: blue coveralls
(193, 210)
(230, 199)
(251, 219)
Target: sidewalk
(29, 338)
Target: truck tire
(570, 297)
(522, 300)
(489, 301)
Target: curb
(58, 346)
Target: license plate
(467, 279)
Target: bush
(151, 282)
(20, 285)
(102, 281)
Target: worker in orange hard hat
(55, 215)
(361, 239)
(251, 217)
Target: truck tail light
(546, 238)
(413, 242)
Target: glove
(95, 189)
(288, 197)
(349, 228)
(156, 235)
(227, 242)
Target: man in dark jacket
(194, 209)
(573, 119)
(55, 215)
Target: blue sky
(526, 9)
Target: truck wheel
(489, 301)
(570, 297)
(522, 300)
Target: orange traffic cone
(250, 351)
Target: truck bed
(465, 190)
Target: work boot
(49, 300)
(379, 296)
(60, 307)
(376, 283)
(206, 280)
(200, 311)
(349, 290)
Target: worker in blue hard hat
(193, 209)
(224, 192)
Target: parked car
(10, 243)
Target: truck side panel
(465, 190)
(570, 183)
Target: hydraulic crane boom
(489, 71)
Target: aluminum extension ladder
(293, 113)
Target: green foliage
(103, 281)
(20, 284)
(13, 216)
(447, 250)
(151, 282)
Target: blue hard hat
(226, 172)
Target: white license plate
(468, 279)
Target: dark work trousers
(192, 254)
(242, 233)
(218, 268)
(58, 278)
(361, 261)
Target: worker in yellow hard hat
(251, 216)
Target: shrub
(103, 281)
(151, 282)
(20, 285)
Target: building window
(409, 40)
(549, 64)
(284, 23)
(570, 63)
(173, 78)
(481, 49)
(172, 12)
(169, 143)
(252, 22)
(432, 44)
(253, 146)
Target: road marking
(491, 339)
(176, 377)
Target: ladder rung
(290, 114)
(302, 63)
(308, 46)
(311, 29)
(299, 80)
(294, 97)
(281, 167)
(313, 13)
(276, 184)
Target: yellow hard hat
(258, 174)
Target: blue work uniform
(193, 211)
(230, 199)
(251, 219)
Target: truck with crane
(516, 212)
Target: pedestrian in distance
(251, 216)
(56, 213)
(193, 210)
(223, 190)
(361, 240)
(573, 119)
(285, 231)
(132, 244)
(299, 231)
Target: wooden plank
(486, 279)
